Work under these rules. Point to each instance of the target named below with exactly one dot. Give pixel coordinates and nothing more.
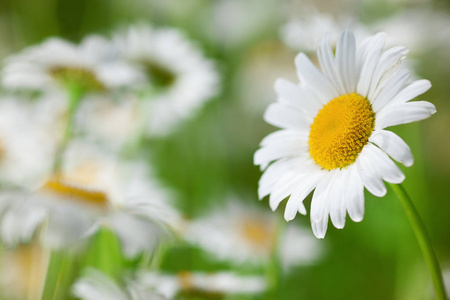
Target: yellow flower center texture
(75, 193)
(340, 131)
(257, 233)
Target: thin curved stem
(75, 95)
(424, 241)
(274, 268)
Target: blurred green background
(212, 155)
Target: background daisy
(180, 78)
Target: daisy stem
(274, 264)
(423, 240)
(75, 95)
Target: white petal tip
(358, 219)
(278, 84)
(380, 194)
(339, 226)
(289, 217)
(408, 163)
(273, 207)
(302, 210)
(300, 57)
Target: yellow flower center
(340, 131)
(80, 77)
(2, 152)
(257, 233)
(72, 192)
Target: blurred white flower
(180, 77)
(236, 22)
(21, 272)
(246, 234)
(93, 66)
(113, 124)
(95, 285)
(198, 284)
(93, 189)
(420, 29)
(304, 32)
(27, 141)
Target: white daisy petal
(282, 136)
(302, 209)
(404, 113)
(393, 145)
(293, 95)
(285, 117)
(338, 208)
(392, 87)
(369, 176)
(96, 286)
(389, 61)
(354, 195)
(319, 201)
(345, 60)
(413, 90)
(305, 187)
(320, 227)
(285, 186)
(374, 47)
(326, 60)
(267, 154)
(272, 174)
(387, 169)
(310, 75)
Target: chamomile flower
(93, 189)
(112, 124)
(21, 272)
(244, 234)
(303, 34)
(95, 285)
(199, 285)
(333, 138)
(158, 286)
(181, 78)
(92, 66)
(27, 141)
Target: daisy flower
(21, 272)
(92, 66)
(303, 34)
(113, 124)
(244, 234)
(95, 285)
(93, 189)
(27, 141)
(199, 285)
(182, 80)
(333, 138)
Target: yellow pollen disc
(2, 151)
(257, 233)
(340, 131)
(75, 193)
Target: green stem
(274, 271)
(423, 240)
(59, 275)
(75, 96)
